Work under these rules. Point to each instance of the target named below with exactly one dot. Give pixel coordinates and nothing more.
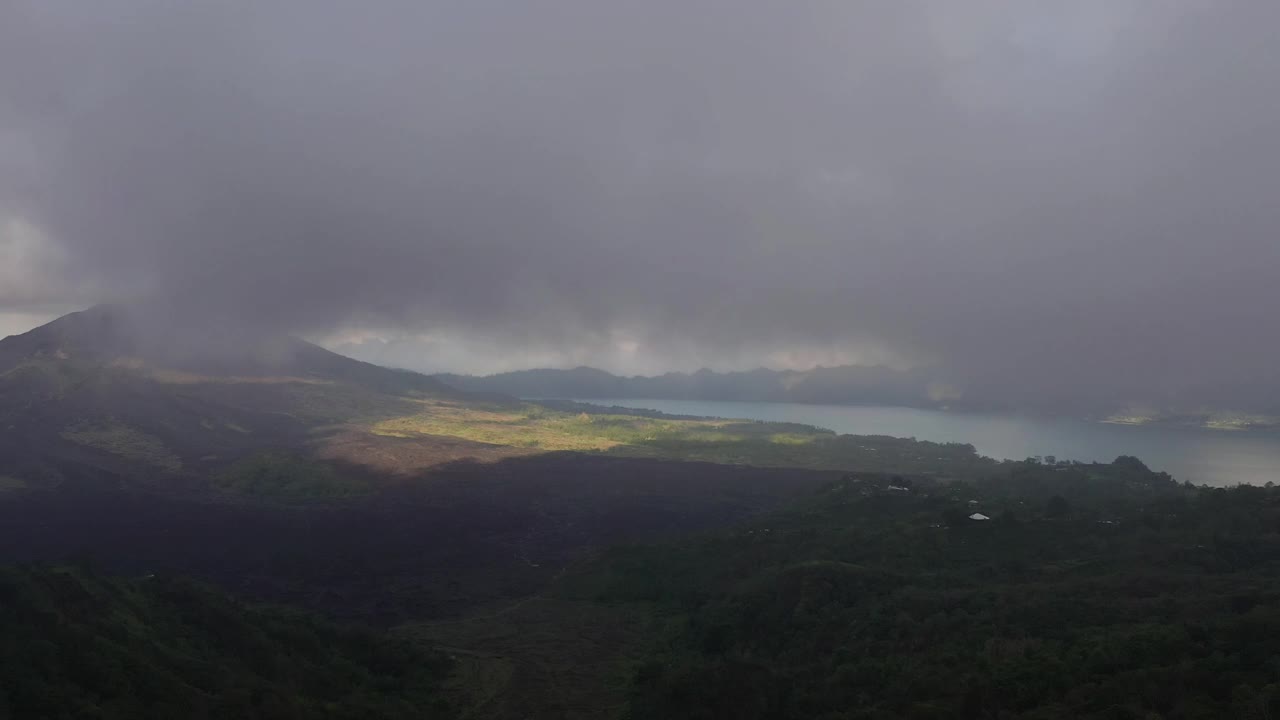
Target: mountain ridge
(927, 388)
(115, 335)
(106, 393)
(848, 384)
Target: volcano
(108, 391)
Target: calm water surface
(1215, 457)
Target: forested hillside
(1093, 591)
(74, 645)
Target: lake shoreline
(1200, 454)
(1193, 422)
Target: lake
(1214, 457)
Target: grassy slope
(711, 440)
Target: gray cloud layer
(1059, 198)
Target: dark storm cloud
(1058, 198)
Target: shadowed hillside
(78, 645)
(124, 337)
(103, 392)
(1090, 591)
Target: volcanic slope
(96, 395)
(101, 396)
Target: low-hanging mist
(1058, 202)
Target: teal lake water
(1214, 457)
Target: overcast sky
(1069, 196)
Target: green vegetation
(1239, 421)
(9, 483)
(78, 646)
(542, 657)
(339, 402)
(282, 476)
(519, 426)
(766, 445)
(710, 440)
(1096, 591)
(125, 441)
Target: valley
(657, 360)
(565, 560)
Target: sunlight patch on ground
(534, 426)
(529, 426)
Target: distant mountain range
(853, 385)
(1223, 407)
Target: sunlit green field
(538, 427)
(710, 440)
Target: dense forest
(1037, 591)
(75, 645)
(1094, 591)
